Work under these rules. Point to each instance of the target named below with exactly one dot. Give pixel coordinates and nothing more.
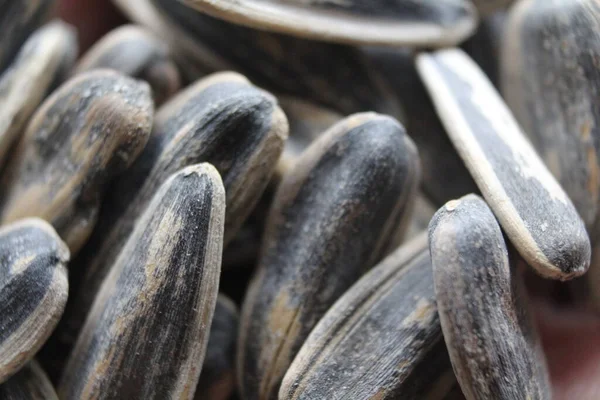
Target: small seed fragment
(89, 131)
(42, 61)
(424, 23)
(532, 208)
(134, 51)
(30, 383)
(146, 335)
(334, 76)
(217, 380)
(18, 18)
(33, 290)
(381, 340)
(490, 336)
(333, 217)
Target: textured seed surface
(146, 335)
(223, 120)
(483, 310)
(18, 18)
(217, 380)
(444, 174)
(90, 130)
(44, 59)
(381, 340)
(532, 208)
(30, 383)
(138, 53)
(33, 290)
(333, 217)
(551, 79)
(382, 22)
(335, 76)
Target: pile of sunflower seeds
(286, 158)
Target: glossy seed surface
(217, 380)
(333, 217)
(483, 308)
(89, 131)
(30, 383)
(425, 23)
(381, 340)
(42, 62)
(137, 53)
(317, 71)
(33, 290)
(146, 335)
(18, 18)
(534, 211)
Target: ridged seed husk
(30, 383)
(18, 18)
(217, 380)
(136, 52)
(334, 76)
(89, 131)
(33, 290)
(42, 62)
(534, 211)
(381, 340)
(333, 217)
(551, 80)
(223, 120)
(146, 335)
(480, 292)
(444, 174)
(424, 23)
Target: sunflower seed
(134, 51)
(90, 130)
(532, 208)
(380, 22)
(381, 340)
(333, 217)
(490, 336)
(42, 61)
(33, 290)
(148, 329)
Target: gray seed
(90, 130)
(136, 52)
(42, 61)
(379, 22)
(308, 69)
(217, 380)
(223, 120)
(33, 290)
(30, 383)
(18, 18)
(333, 217)
(381, 340)
(532, 208)
(491, 338)
(146, 335)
